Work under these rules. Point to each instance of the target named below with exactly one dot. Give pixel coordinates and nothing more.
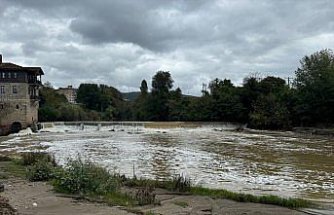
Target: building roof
(36, 70)
(11, 67)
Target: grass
(177, 183)
(13, 168)
(30, 158)
(121, 199)
(182, 185)
(241, 197)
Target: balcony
(34, 82)
(34, 97)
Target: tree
(143, 88)
(55, 107)
(225, 101)
(140, 107)
(90, 96)
(48, 85)
(176, 105)
(162, 82)
(315, 89)
(269, 100)
(269, 112)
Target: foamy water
(283, 164)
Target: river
(211, 155)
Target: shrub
(80, 177)
(39, 171)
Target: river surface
(214, 156)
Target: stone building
(70, 93)
(19, 96)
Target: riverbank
(23, 195)
(40, 198)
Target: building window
(3, 75)
(14, 90)
(1, 107)
(17, 107)
(9, 75)
(2, 89)
(15, 75)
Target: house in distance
(19, 96)
(69, 92)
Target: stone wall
(16, 107)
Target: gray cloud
(122, 42)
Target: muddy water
(283, 164)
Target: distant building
(19, 96)
(70, 93)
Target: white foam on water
(211, 156)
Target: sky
(122, 42)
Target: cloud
(122, 42)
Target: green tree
(90, 96)
(162, 83)
(140, 108)
(315, 89)
(104, 99)
(143, 88)
(55, 107)
(225, 101)
(270, 108)
(177, 106)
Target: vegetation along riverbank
(87, 183)
(273, 103)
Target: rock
(6, 208)
(2, 187)
(34, 204)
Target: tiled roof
(14, 67)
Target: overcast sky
(121, 42)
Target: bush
(79, 177)
(40, 171)
(30, 158)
